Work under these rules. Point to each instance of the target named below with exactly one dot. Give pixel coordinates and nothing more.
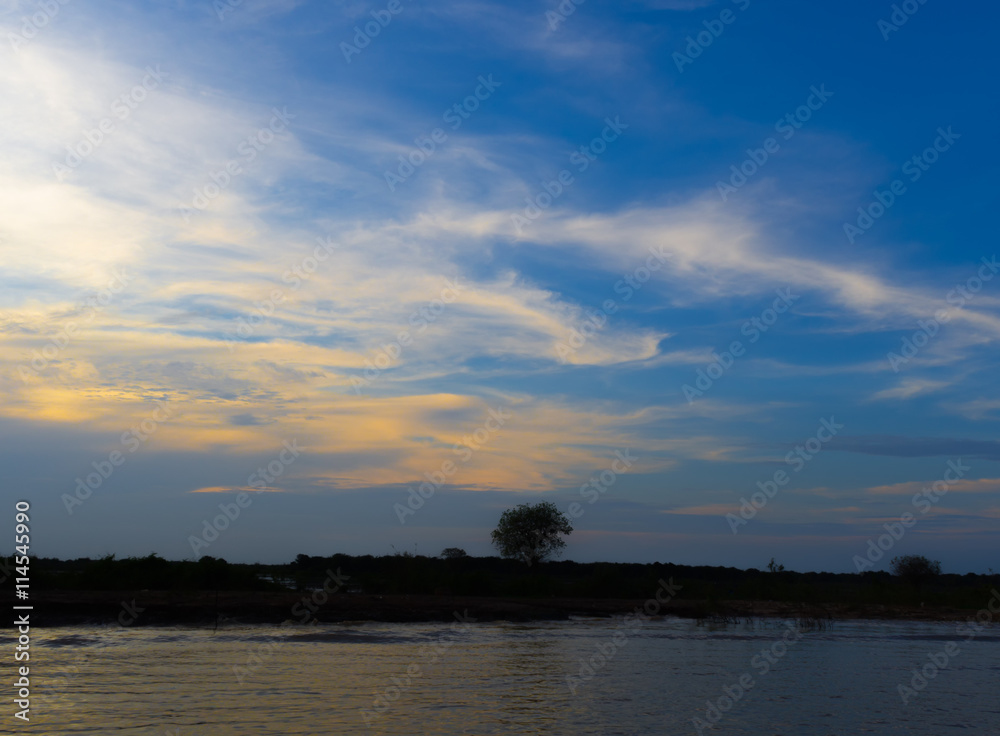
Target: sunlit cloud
(212, 231)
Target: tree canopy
(531, 532)
(916, 569)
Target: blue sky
(222, 236)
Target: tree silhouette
(915, 569)
(531, 532)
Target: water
(505, 678)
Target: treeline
(494, 576)
(139, 573)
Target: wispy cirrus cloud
(897, 446)
(248, 255)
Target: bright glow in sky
(651, 257)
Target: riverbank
(197, 608)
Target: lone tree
(915, 569)
(531, 532)
(453, 553)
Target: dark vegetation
(531, 533)
(458, 575)
(915, 569)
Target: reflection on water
(575, 677)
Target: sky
(717, 278)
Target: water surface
(575, 677)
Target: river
(578, 677)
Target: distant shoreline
(204, 608)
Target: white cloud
(910, 387)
